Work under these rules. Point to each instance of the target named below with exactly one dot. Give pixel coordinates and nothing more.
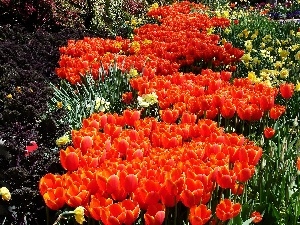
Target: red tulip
(31, 148)
(227, 210)
(54, 198)
(257, 217)
(69, 159)
(287, 90)
(269, 132)
(155, 214)
(199, 215)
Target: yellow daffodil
(136, 46)
(253, 36)
(59, 105)
(9, 96)
(248, 45)
(284, 73)
(246, 33)
(5, 194)
(79, 214)
(283, 53)
(133, 73)
(147, 100)
(246, 58)
(278, 64)
(63, 140)
(227, 31)
(297, 56)
(297, 87)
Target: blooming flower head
(133, 73)
(5, 194)
(297, 87)
(101, 105)
(257, 217)
(148, 99)
(63, 140)
(79, 214)
(298, 163)
(287, 90)
(269, 132)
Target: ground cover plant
(161, 128)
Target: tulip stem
(47, 215)
(175, 212)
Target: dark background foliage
(27, 62)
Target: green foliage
(91, 96)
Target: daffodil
(79, 214)
(63, 140)
(297, 87)
(147, 99)
(297, 56)
(284, 73)
(132, 73)
(5, 194)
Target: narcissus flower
(269, 132)
(4, 192)
(63, 140)
(257, 217)
(79, 214)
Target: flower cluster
(180, 40)
(120, 164)
(211, 93)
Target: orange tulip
(199, 215)
(298, 164)
(97, 205)
(257, 217)
(287, 90)
(225, 178)
(69, 159)
(54, 198)
(227, 210)
(155, 214)
(269, 132)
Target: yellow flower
(253, 36)
(297, 87)
(4, 192)
(283, 53)
(278, 64)
(210, 30)
(153, 6)
(225, 14)
(59, 105)
(147, 42)
(256, 60)
(9, 96)
(147, 99)
(248, 45)
(63, 140)
(133, 73)
(246, 58)
(297, 55)
(246, 33)
(251, 76)
(223, 41)
(227, 31)
(262, 45)
(284, 73)
(79, 214)
(136, 46)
